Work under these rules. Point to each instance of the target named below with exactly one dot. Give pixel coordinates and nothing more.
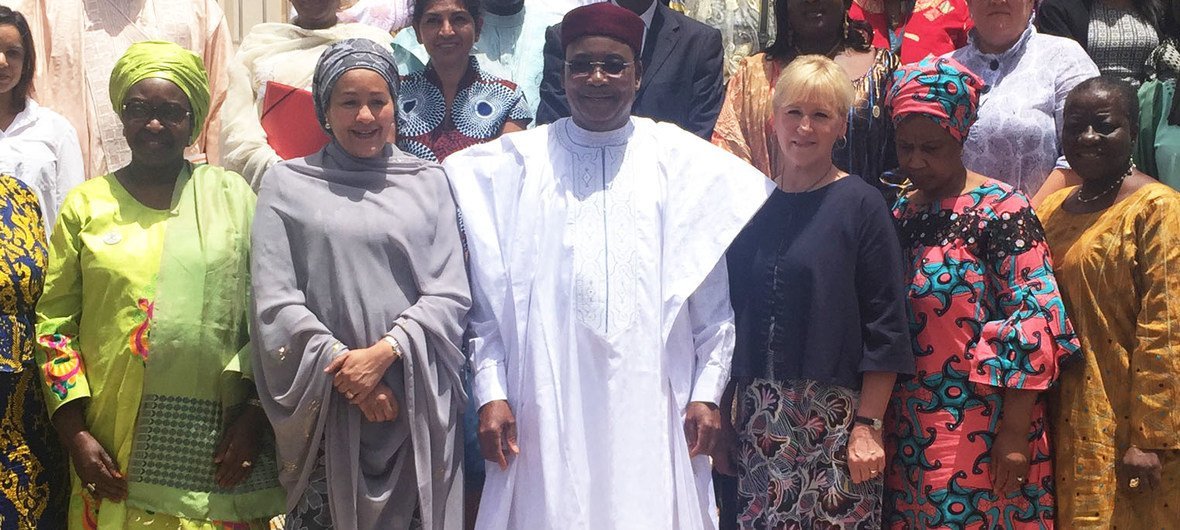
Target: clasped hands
(358, 376)
(497, 430)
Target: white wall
(243, 14)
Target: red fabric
(288, 117)
(937, 27)
(603, 19)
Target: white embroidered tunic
(601, 309)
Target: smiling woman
(452, 103)
(143, 321)
(1117, 435)
(339, 355)
(39, 162)
(797, 299)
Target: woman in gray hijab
(361, 297)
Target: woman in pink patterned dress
(967, 435)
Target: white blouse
(40, 148)
(1018, 136)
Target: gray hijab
(345, 55)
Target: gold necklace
(1113, 186)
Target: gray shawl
(344, 251)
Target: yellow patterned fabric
(1119, 272)
(22, 271)
(32, 470)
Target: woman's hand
(381, 405)
(866, 454)
(93, 465)
(98, 473)
(359, 371)
(239, 447)
(1140, 470)
(1010, 462)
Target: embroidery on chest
(602, 225)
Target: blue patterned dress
(985, 315)
(33, 486)
(429, 130)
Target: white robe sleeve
(244, 147)
(488, 353)
(711, 317)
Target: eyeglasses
(168, 113)
(609, 67)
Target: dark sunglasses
(610, 67)
(168, 113)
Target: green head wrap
(163, 60)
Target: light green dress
(1158, 146)
(144, 314)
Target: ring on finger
(90, 487)
(1133, 483)
(246, 464)
(1020, 480)
(350, 395)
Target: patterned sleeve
(1155, 365)
(59, 312)
(1023, 345)
(729, 132)
(519, 110)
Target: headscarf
(939, 88)
(163, 60)
(603, 19)
(346, 55)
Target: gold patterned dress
(1119, 272)
(32, 473)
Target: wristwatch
(397, 348)
(874, 423)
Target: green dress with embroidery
(144, 315)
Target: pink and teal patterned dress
(985, 315)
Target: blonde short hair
(814, 79)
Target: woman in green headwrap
(142, 325)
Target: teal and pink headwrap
(939, 88)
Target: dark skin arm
(239, 445)
(92, 462)
(1009, 455)
(724, 450)
(497, 432)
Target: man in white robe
(602, 323)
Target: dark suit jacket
(682, 77)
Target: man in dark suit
(682, 70)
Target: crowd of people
(697, 264)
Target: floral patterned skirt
(793, 458)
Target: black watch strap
(871, 422)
